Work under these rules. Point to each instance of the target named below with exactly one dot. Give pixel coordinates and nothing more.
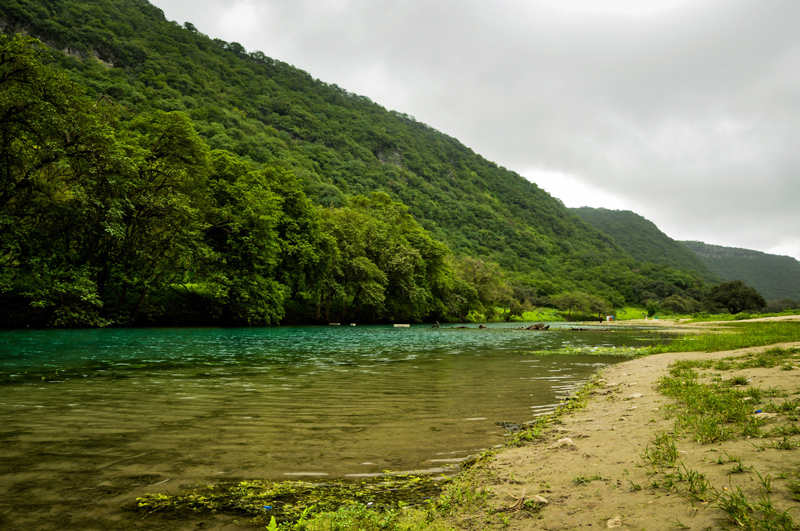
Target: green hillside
(159, 175)
(271, 113)
(644, 241)
(775, 277)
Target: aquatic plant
(290, 501)
(570, 350)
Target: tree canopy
(153, 174)
(735, 296)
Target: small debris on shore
(561, 443)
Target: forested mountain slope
(775, 277)
(337, 142)
(267, 166)
(644, 240)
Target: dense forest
(152, 174)
(644, 241)
(775, 277)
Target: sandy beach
(595, 477)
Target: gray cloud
(686, 112)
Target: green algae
(291, 501)
(570, 350)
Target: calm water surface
(110, 414)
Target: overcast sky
(686, 112)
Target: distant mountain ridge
(775, 277)
(644, 240)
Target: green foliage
(45, 128)
(734, 336)
(386, 266)
(105, 216)
(775, 277)
(680, 305)
(243, 235)
(644, 241)
(661, 452)
(735, 297)
(488, 281)
(571, 301)
(180, 180)
(354, 517)
(581, 303)
(98, 214)
(652, 308)
(365, 505)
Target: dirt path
(599, 480)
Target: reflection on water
(125, 410)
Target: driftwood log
(538, 326)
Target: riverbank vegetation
(725, 336)
(154, 175)
(715, 403)
(733, 336)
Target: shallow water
(100, 416)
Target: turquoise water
(97, 417)
(41, 353)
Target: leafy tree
(412, 260)
(460, 298)
(524, 292)
(243, 236)
(354, 280)
(54, 144)
(598, 305)
(570, 301)
(386, 266)
(781, 305)
(734, 296)
(487, 280)
(306, 252)
(678, 304)
(163, 220)
(514, 308)
(95, 216)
